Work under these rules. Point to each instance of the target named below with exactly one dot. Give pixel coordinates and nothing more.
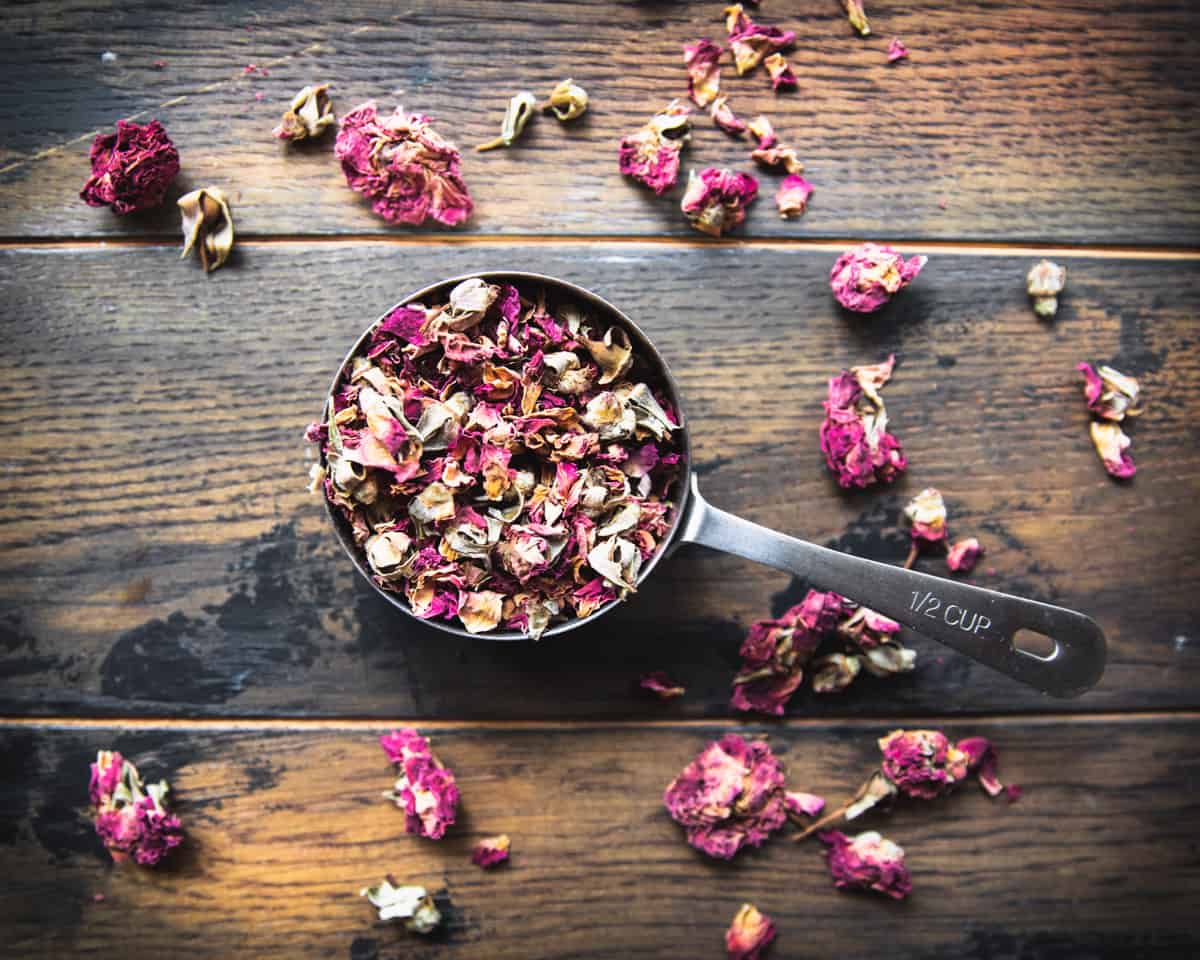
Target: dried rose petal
(736, 19)
(1111, 395)
(481, 611)
(752, 42)
(896, 50)
(491, 851)
(922, 763)
(834, 672)
(866, 629)
(749, 934)
(868, 861)
(425, 789)
(207, 226)
(412, 904)
(651, 155)
(520, 108)
(130, 816)
(867, 276)
(792, 198)
(659, 684)
(806, 804)
(778, 155)
(925, 515)
(716, 200)
(854, 436)
(762, 130)
(782, 77)
(132, 168)
(1113, 447)
(724, 117)
(403, 166)
(1045, 282)
(857, 17)
(981, 760)
(963, 555)
(729, 797)
(567, 101)
(702, 59)
(310, 115)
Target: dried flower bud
(716, 200)
(792, 196)
(310, 115)
(724, 117)
(749, 934)
(834, 672)
(963, 555)
(867, 276)
(1110, 394)
(491, 851)
(425, 789)
(896, 50)
(567, 101)
(1112, 445)
(130, 816)
(651, 155)
(1044, 283)
(132, 168)
(207, 226)
(782, 77)
(703, 61)
(661, 686)
(854, 435)
(925, 515)
(520, 108)
(411, 904)
(868, 861)
(922, 763)
(857, 16)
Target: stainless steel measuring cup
(975, 621)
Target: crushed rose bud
(803, 804)
(963, 555)
(751, 42)
(793, 194)
(749, 934)
(782, 76)
(661, 686)
(922, 763)
(703, 61)
(520, 108)
(207, 226)
(1045, 282)
(1110, 394)
(130, 816)
(724, 117)
(1112, 445)
(868, 276)
(496, 460)
(132, 168)
(763, 132)
(651, 155)
(310, 115)
(412, 904)
(567, 101)
(925, 515)
(868, 861)
(857, 17)
(854, 436)
(716, 200)
(896, 50)
(425, 789)
(401, 164)
(729, 797)
(491, 851)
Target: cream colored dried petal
(617, 561)
(610, 417)
(316, 478)
(1045, 282)
(469, 301)
(481, 611)
(435, 503)
(869, 794)
(207, 226)
(613, 354)
(520, 108)
(625, 519)
(310, 114)
(650, 415)
(390, 554)
(834, 672)
(927, 509)
(540, 613)
(411, 904)
(568, 100)
(889, 658)
(1120, 396)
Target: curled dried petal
(567, 101)
(724, 117)
(132, 168)
(834, 672)
(753, 42)
(491, 851)
(793, 194)
(963, 555)
(412, 904)
(806, 804)
(207, 226)
(1113, 447)
(1110, 394)
(857, 17)
(481, 611)
(866, 277)
(520, 108)
(749, 934)
(613, 354)
(778, 155)
(716, 200)
(762, 130)
(868, 861)
(651, 154)
(310, 114)
(982, 761)
(661, 685)
(1045, 281)
(896, 50)
(702, 59)
(782, 76)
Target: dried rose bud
(782, 77)
(310, 115)
(567, 101)
(1113, 447)
(793, 194)
(889, 659)
(661, 686)
(716, 200)
(403, 166)
(491, 851)
(867, 276)
(857, 16)
(762, 130)
(724, 117)
(1110, 394)
(981, 761)
(730, 796)
(922, 763)
(896, 50)
(651, 155)
(800, 804)
(834, 672)
(963, 555)
(868, 861)
(207, 226)
(130, 816)
(412, 904)
(132, 168)
(749, 934)
(925, 516)
(778, 155)
(425, 789)
(752, 42)
(1045, 282)
(854, 435)
(703, 61)
(520, 108)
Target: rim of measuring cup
(644, 349)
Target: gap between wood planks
(299, 724)
(824, 244)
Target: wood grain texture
(1097, 860)
(158, 554)
(1067, 121)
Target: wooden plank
(158, 553)
(284, 827)
(1047, 121)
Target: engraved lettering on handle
(951, 614)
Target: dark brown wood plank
(1071, 121)
(158, 553)
(1097, 860)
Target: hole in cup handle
(1031, 643)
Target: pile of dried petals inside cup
(500, 459)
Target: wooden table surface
(167, 587)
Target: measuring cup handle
(977, 622)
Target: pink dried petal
(1113, 447)
(659, 684)
(808, 804)
(716, 200)
(132, 168)
(651, 155)
(867, 862)
(854, 437)
(922, 763)
(963, 555)
(491, 851)
(724, 117)
(896, 50)
(1013, 792)
(702, 59)
(761, 129)
(793, 194)
(866, 277)
(752, 42)
(425, 789)
(981, 760)
(782, 77)
(1111, 395)
(778, 155)
(749, 934)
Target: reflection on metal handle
(980, 623)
